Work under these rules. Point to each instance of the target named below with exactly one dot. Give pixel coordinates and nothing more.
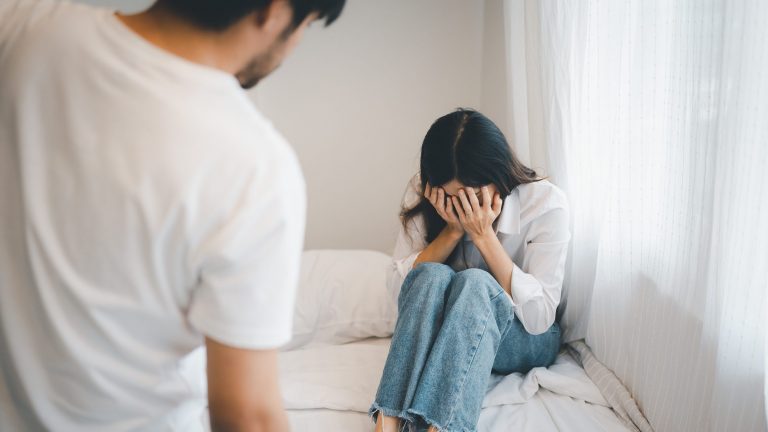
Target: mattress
(330, 388)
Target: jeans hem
(428, 420)
(389, 412)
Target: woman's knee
(474, 274)
(476, 278)
(430, 272)
(474, 285)
(433, 277)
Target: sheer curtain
(653, 116)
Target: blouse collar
(509, 219)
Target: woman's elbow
(540, 325)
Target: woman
(483, 245)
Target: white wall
(356, 99)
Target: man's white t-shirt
(144, 203)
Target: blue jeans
(452, 331)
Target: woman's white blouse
(532, 228)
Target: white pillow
(342, 297)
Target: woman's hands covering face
(475, 218)
(465, 213)
(445, 208)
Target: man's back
(144, 203)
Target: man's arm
(243, 390)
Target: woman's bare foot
(387, 424)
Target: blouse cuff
(405, 265)
(401, 269)
(524, 287)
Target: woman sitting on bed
(483, 245)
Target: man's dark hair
(218, 15)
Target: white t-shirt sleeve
(249, 264)
(536, 286)
(410, 240)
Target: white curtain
(653, 116)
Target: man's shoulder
(247, 137)
(204, 152)
(223, 125)
(17, 17)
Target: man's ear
(273, 13)
(261, 15)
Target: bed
(344, 317)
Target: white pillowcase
(342, 297)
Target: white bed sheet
(329, 388)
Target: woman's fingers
(465, 206)
(430, 193)
(473, 201)
(433, 196)
(440, 202)
(486, 197)
(449, 210)
(452, 210)
(465, 202)
(436, 196)
(497, 202)
(457, 206)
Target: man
(146, 208)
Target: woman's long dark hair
(466, 146)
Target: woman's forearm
(496, 258)
(441, 247)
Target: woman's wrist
(441, 247)
(453, 233)
(499, 262)
(485, 238)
